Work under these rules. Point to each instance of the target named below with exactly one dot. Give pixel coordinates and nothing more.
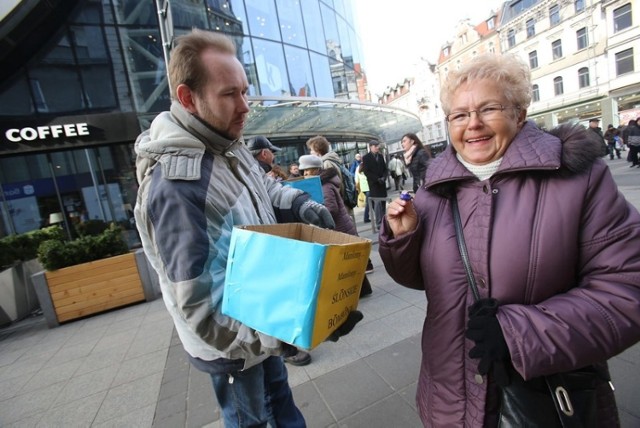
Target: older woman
(416, 156)
(311, 165)
(553, 247)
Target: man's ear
(186, 98)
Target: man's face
(222, 102)
(293, 169)
(374, 148)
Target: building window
(492, 47)
(583, 77)
(579, 5)
(490, 23)
(624, 62)
(622, 18)
(583, 38)
(558, 88)
(531, 28)
(533, 59)
(554, 15)
(445, 51)
(556, 48)
(511, 38)
(535, 93)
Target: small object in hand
(406, 196)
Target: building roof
(302, 117)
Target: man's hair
(510, 72)
(319, 144)
(185, 64)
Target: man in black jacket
(375, 169)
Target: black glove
(484, 329)
(345, 328)
(381, 180)
(314, 213)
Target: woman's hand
(401, 216)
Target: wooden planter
(85, 289)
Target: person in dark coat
(311, 165)
(610, 137)
(553, 246)
(416, 157)
(594, 126)
(375, 169)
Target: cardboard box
(311, 185)
(293, 281)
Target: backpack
(348, 188)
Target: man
(595, 128)
(294, 170)
(197, 181)
(264, 152)
(375, 169)
(610, 137)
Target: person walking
(363, 185)
(197, 181)
(374, 168)
(631, 137)
(552, 245)
(397, 171)
(311, 166)
(610, 137)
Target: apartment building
(581, 55)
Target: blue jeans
(257, 396)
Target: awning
(301, 118)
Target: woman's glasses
(488, 112)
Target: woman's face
(310, 172)
(407, 143)
(481, 139)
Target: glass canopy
(298, 117)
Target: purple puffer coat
(333, 201)
(552, 239)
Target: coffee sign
(18, 135)
(65, 132)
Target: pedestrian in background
(416, 157)
(374, 168)
(363, 186)
(610, 137)
(353, 169)
(397, 171)
(294, 172)
(552, 245)
(631, 137)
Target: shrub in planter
(23, 247)
(56, 254)
(92, 227)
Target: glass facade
(108, 59)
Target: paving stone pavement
(126, 367)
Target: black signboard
(30, 135)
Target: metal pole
(166, 31)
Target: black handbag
(562, 400)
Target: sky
(394, 34)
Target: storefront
(68, 170)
